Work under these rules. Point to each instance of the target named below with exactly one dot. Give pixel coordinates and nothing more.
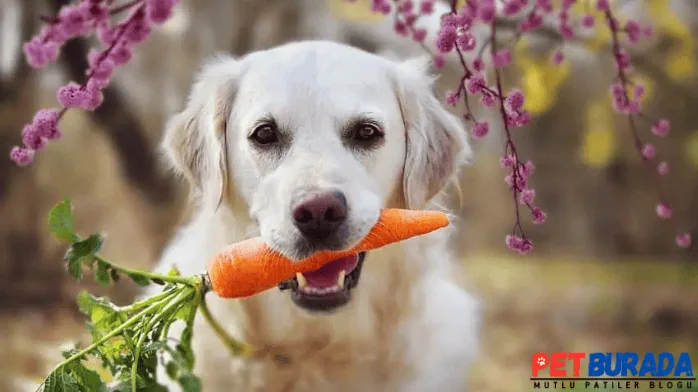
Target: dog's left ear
(437, 142)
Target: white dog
(304, 144)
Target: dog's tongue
(326, 276)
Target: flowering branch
(456, 37)
(83, 19)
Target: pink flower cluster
(407, 13)
(630, 104)
(455, 38)
(83, 19)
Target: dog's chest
(356, 366)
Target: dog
(304, 144)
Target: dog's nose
(319, 215)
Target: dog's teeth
(340, 279)
(301, 280)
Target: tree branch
(125, 132)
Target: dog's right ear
(195, 139)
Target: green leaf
(74, 265)
(173, 272)
(61, 381)
(172, 370)
(61, 222)
(158, 281)
(87, 247)
(187, 311)
(139, 279)
(190, 383)
(103, 276)
(89, 379)
(82, 253)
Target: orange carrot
(250, 266)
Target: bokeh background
(605, 275)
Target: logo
(603, 371)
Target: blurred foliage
(599, 137)
(358, 11)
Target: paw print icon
(541, 361)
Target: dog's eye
(367, 133)
(265, 134)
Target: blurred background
(605, 274)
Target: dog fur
(408, 326)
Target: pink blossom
(106, 33)
(545, 5)
(419, 35)
(406, 6)
(527, 196)
(515, 100)
(634, 31)
(446, 39)
(663, 168)
(478, 65)
(439, 61)
(382, 6)
(45, 123)
(538, 215)
(661, 127)
(475, 83)
(501, 58)
(101, 66)
(622, 60)
(511, 8)
(588, 21)
(22, 156)
(73, 95)
(487, 12)
(528, 168)
(638, 91)
(466, 42)
(400, 27)
(648, 151)
(74, 19)
(518, 119)
(138, 28)
(451, 98)
(602, 5)
(458, 21)
(558, 57)
(507, 161)
(487, 100)
(40, 54)
(120, 54)
(647, 31)
(565, 30)
(32, 139)
(664, 211)
(480, 130)
(683, 240)
(535, 21)
(426, 7)
(516, 182)
(521, 245)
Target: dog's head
(313, 139)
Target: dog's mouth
(329, 286)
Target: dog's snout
(318, 215)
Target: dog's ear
(436, 141)
(195, 139)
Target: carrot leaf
(61, 222)
(129, 342)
